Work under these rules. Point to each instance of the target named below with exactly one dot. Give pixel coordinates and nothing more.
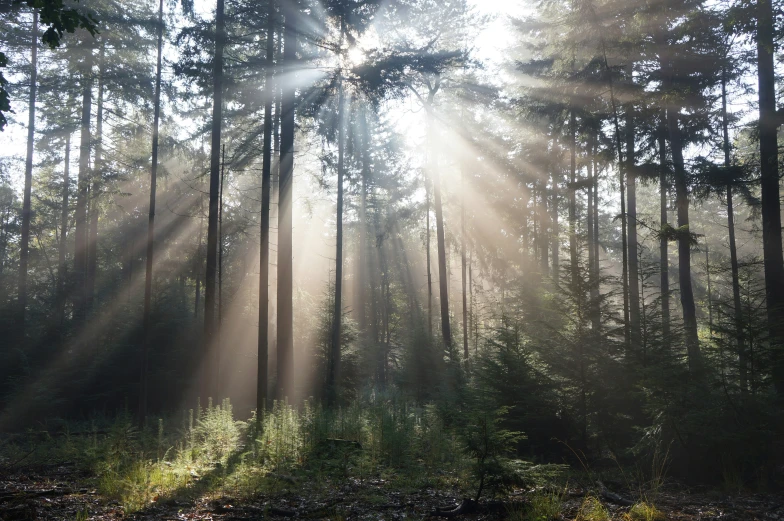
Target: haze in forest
(563, 217)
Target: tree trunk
(80, 218)
(197, 294)
(739, 333)
(285, 273)
(555, 238)
(333, 373)
(592, 278)
(574, 266)
(664, 263)
(264, 251)
(446, 329)
(684, 246)
(625, 253)
(427, 254)
(769, 184)
(363, 266)
(95, 187)
(219, 332)
(209, 376)
(61, 267)
(544, 253)
(463, 262)
(147, 327)
(28, 179)
(596, 286)
(635, 333)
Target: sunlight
(356, 56)
(407, 246)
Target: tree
(769, 187)
(28, 178)
(285, 324)
(210, 372)
(59, 20)
(266, 181)
(151, 225)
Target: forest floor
(67, 492)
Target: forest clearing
(391, 259)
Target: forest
(391, 259)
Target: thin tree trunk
(61, 269)
(285, 273)
(219, 332)
(595, 286)
(333, 373)
(664, 263)
(710, 295)
(591, 238)
(739, 332)
(197, 295)
(575, 268)
(209, 376)
(80, 218)
(625, 255)
(556, 239)
(264, 252)
(427, 255)
(446, 329)
(95, 177)
(146, 322)
(769, 184)
(544, 251)
(635, 334)
(621, 166)
(363, 257)
(463, 262)
(28, 179)
(684, 246)
(471, 293)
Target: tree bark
(635, 333)
(28, 179)
(264, 251)
(684, 246)
(463, 262)
(555, 238)
(285, 199)
(625, 253)
(146, 322)
(209, 375)
(95, 184)
(573, 262)
(333, 373)
(739, 332)
(593, 279)
(427, 253)
(61, 267)
(446, 329)
(80, 217)
(664, 262)
(769, 184)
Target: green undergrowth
(207, 452)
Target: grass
(208, 453)
(592, 509)
(544, 506)
(644, 511)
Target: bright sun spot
(356, 56)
